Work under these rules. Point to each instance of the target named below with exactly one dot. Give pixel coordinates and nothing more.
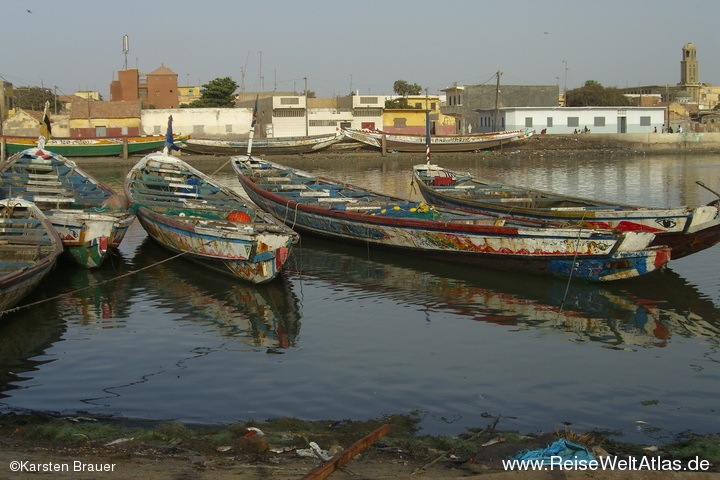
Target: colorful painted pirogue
(29, 248)
(263, 146)
(89, 216)
(90, 147)
(190, 213)
(347, 213)
(685, 230)
(438, 143)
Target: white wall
(516, 118)
(199, 122)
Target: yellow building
(105, 119)
(188, 94)
(411, 120)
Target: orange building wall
(162, 91)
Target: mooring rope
(572, 270)
(133, 272)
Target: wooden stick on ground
(346, 455)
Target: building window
(288, 113)
(367, 112)
(573, 121)
(645, 121)
(228, 128)
(369, 100)
(599, 121)
(399, 122)
(528, 122)
(549, 121)
(289, 101)
(100, 131)
(124, 131)
(322, 123)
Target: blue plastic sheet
(566, 450)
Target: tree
(396, 103)
(401, 87)
(33, 98)
(593, 94)
(217, 93)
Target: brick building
(157, 89)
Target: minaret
(689, 66)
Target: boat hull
(89, 237)
(201, 220)
(89, 216)
(90, 147)
(29, 248)
(262, 146)
(246, 257)
(438, 144)
(686, 231)
(556, 252)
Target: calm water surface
(358, 334)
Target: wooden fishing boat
(263, 146)
(192, 214)
(438, 143)
(347, 213)
(29, 248)
(90, 217)
(685, 230)
(90, 147)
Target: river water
(352, 333)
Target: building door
(622, 125)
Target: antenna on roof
(126, 48)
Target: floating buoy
(239, 217)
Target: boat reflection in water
(265, 315)
(99, 297)
(627, 315)
(25, 338)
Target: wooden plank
(346, 455)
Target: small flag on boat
(169, 142)
(254, 119)
(45, 127)
(427, 135)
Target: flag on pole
(45, 127)
(427, 136)
(254, 119)
(252, 128)
(169, 141)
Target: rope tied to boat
(71, 292)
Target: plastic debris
(313, 451)
(119, 440)
(562, 448)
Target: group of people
(669, 129)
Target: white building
(575, 119)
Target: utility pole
(307, 113)
(497, 102)
(262, 79)
(565, 86)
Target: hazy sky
(361, 45)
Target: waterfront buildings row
(140, 104)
